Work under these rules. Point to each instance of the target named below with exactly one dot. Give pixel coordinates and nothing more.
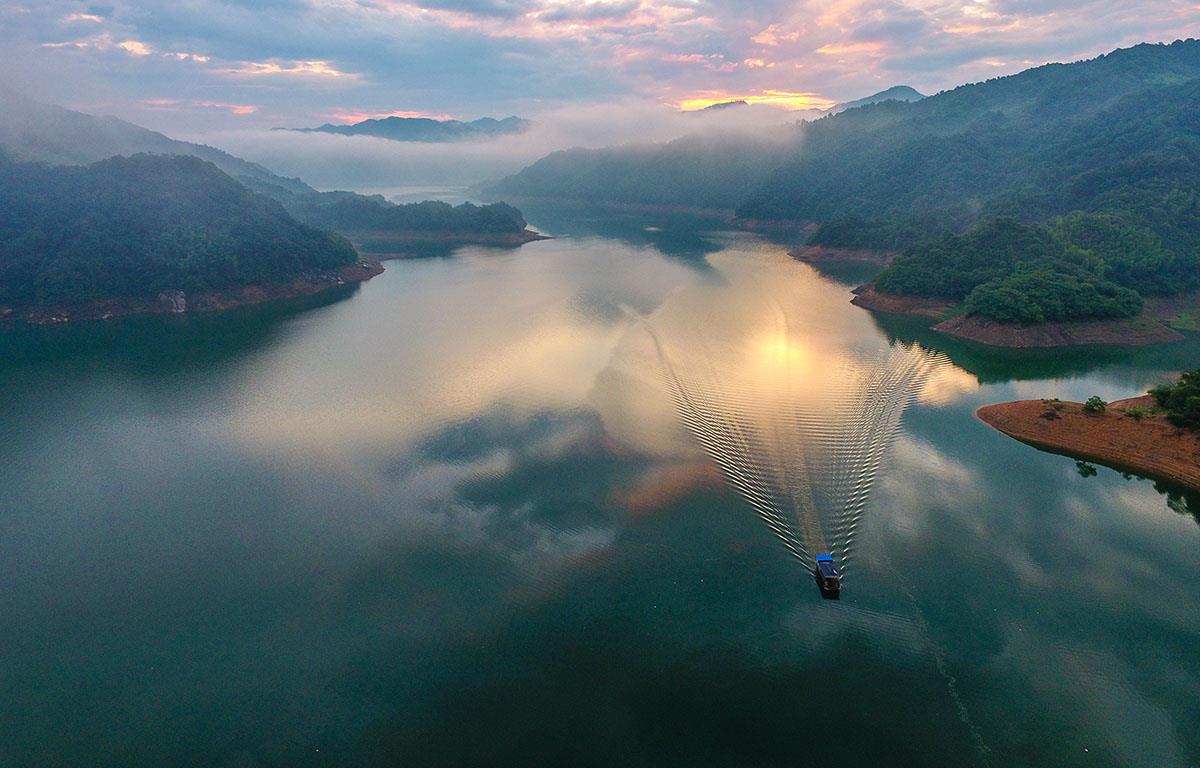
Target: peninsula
(1137, 435)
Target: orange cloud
(772, 36)
(788, 100)
(175, 104)
(343, 115)
(135, 48)
(841, 49)
(277, 68)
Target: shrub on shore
(1181, 400)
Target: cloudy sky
(225, 64)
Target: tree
(1181, 400)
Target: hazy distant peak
(725, 105)
(895, 93)
(35, 132)
(426, 129)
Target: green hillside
(134, 226)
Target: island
(1156, 435)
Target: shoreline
(651, 208)
(1149, 328)
(177, 302)
(448, 238)
(867, 297)
(817, 254)
(1148, 445)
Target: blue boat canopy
(824, 558)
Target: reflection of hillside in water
(795, 399)
(1124, 365)
(682, 236)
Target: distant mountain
(130, 227)
(421, 129)
(1026, 143)
(725, 105)
(895, 93)
(701, 171)
(35, 132)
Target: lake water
(553, 506)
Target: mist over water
(442, 170)
(798, 417)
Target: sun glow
(782, 99)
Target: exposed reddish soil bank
(1149, 446)
(816, 254)
(868, 298)
(464, 238)
(1140, 331)
(176, 302)
(1148, 328)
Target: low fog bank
(411, 170)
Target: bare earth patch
(1149, 445)
(867, 297)
(1139, 331)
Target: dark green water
(453, 518)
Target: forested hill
(353, 214)
(987, 146)
(134, 226)
(991, 146)
(701, 171)
(30, 131)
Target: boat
(829, 579)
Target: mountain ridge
(424, 129)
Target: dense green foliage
(894, 234)
(129, 227)
(1015, 273)
(348, 212)
(1049, 295)
(1181, 400)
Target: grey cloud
(504, 9)
(592, 12)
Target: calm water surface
(463, 515)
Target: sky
(189, 66)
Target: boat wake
(798, 420)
